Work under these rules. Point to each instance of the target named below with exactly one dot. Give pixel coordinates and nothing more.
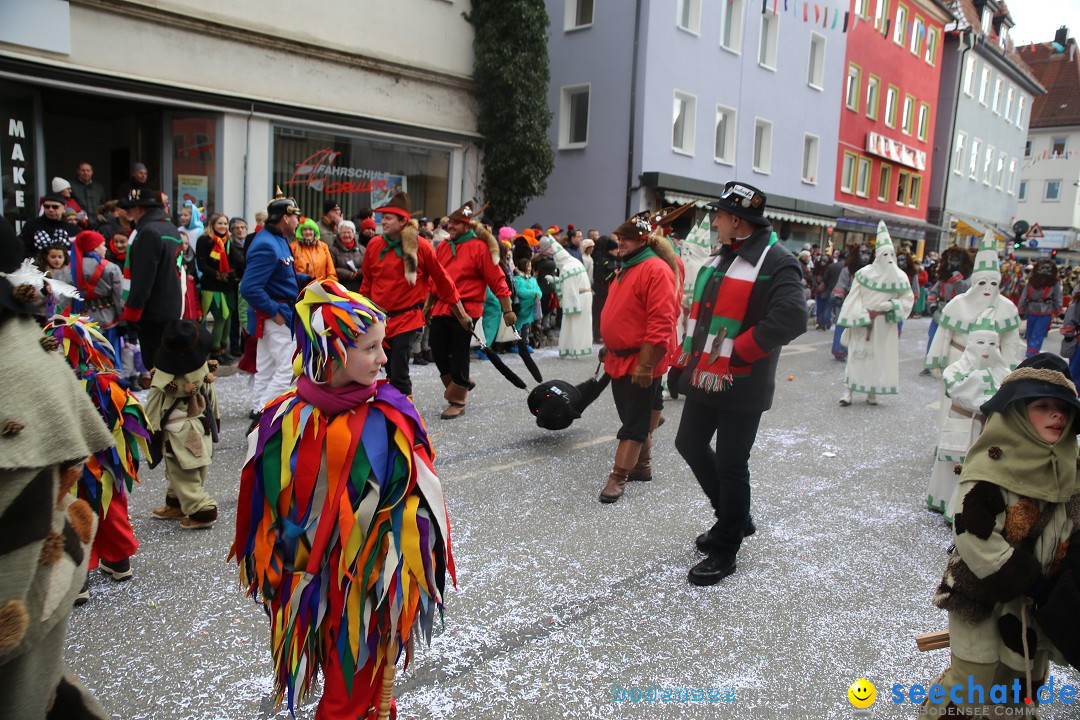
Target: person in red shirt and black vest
(638, 327)
(399, 269)
(471, 257)
(748, 303)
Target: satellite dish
(1020, 227)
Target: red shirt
(641, 308)
(472, 271)
(385, 285)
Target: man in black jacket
(748, 306)
(49, 229)
(156, 292)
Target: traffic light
(1016, 244)
(1053, 253)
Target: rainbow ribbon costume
(341, 528)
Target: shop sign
(895, 150)
(16, 145)
(319, 172)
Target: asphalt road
(565, 605)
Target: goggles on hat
(740, 195)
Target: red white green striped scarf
(714, 372)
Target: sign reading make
(16, 161)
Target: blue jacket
(270, 284)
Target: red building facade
(893, 70)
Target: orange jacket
(314, 260)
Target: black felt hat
(142, 197)
(1041, 375)
(185, 346)
(554, 404)
(744, 201)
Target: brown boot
(642, 472)
(169, 511)
(455, 395)
(626, 457)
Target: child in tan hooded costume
(1017, 511)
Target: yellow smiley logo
(862, 693)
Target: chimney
(1061, 37)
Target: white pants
(273, 362)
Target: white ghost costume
(575, 300)
(969, 382)
(880, 299)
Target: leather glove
(648, 357)
(674, 375)
(509, 317)
(602, 355)
(462, 317)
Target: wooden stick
(387, 688)
(932, 641)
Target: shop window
(359, 172)
(194, 163)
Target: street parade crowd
(115, 317)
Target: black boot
(711, 570)
(705, 540)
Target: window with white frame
(907, 117)
(862, 184)
(873, 89)
(1027, 148)
(1021, 192)
(984, 85)
(1011, 176)
(1057, 146)
(762, 146)
(724, 148)
(902, 187)
(958, 153)
(918, 32)
(862, 8)
(900, 26)
(973, 163)
(1010, 98)
(987, 20)
(574, 117)
(1001, 170)
(689, 15)
(851, 87)
(924, 121)
(1020, 111)
(810, 159)
(847, 173)
(768, 41)
(577, 14)
(931, 46)
(881, 11)
(892, 94)
(815, 67)
(1052, 192)
(682, 123)
(997, 95)
(731, 19)
(969, 76)
(988, 160)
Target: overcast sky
(1038, 20)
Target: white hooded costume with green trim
(880, 299)
(963, 311)
(969, 382)
(695, 252)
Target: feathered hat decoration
(82, 343)
(328, 321)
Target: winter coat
(155, 293)
(348, 263)
(314, 260)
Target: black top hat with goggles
(743, 201)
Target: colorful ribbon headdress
(82, 343)
(329, 319)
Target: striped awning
(799, 218)
(700, 201)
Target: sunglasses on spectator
(52, 206)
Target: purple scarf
(333, 400)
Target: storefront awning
(699, 201)
(969, 227)
(799, 218)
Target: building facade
(891, 77)
(223, 101)
(1049, 190)
(633, 129)
(983, 111)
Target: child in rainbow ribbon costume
(108, 475)
(341, 527)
